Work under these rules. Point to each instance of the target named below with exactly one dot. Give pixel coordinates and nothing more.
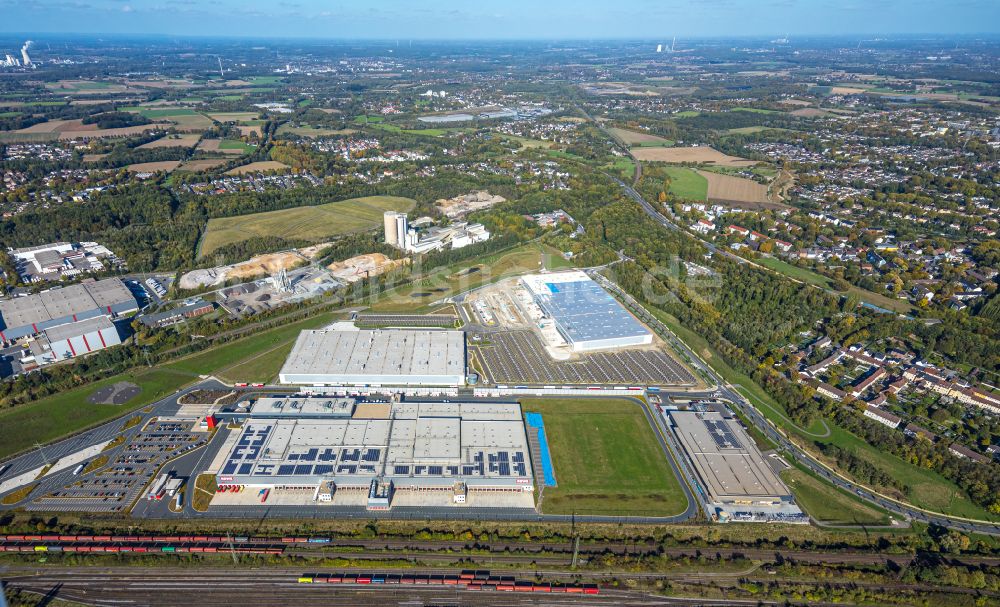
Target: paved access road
(729, 393)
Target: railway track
(157, 586)
(513, 552)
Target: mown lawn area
(49, 418)
(687, 183)
(828, 504)
(928, 490)
(226, 356)
(313, 223)
(606, 459)
(810, 277)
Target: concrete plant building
(399, 234)
(381, 357)
(585, 315)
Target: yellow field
(172, 141)
(312, 223)
(152, 167)
(233, 116)
(204, 164)
(99, 133)
(637, 138)
(257, 167)
(727, 188)
(703, 154)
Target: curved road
(780, 438)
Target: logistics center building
(33, 314)
(586, 315)
(409, 447)
(407, 357)
(729, 465)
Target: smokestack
(25, 59)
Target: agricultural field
(810, 112)
(258, 167)
(153, 167)
(312, 131)
(702, 154)
(606, 460)
(635, 138)
(86, 87)
(231, 145)
(687, 183)
(232, 116)
(739, 190)
(202, 164)
(313, 223)
(172, 141)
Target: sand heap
(360, 267)
(460, 205)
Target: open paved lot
(517, 357)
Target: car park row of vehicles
(467, 580)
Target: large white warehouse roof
(385, 357)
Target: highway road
(729, 393)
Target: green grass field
(49, 418)
(828, 504)
(810, 277)
(312, 131)
(232, 144)
(687, 184)
(755, 110)
(363, 119)
(687, 114)
(623, 166)
(263, 367)
(606, 459)
(392, 128)
(929, 489)
(150, 112)
(260, 355)
(312, 223)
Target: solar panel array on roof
(722, 433)
(731, 467)
(466, 441)
(586, 315)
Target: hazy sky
(499, 19)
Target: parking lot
(114, 486)
(517, 357)
(447, 321)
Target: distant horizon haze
(443, 20)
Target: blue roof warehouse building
(586, 315)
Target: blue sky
(514, 19)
